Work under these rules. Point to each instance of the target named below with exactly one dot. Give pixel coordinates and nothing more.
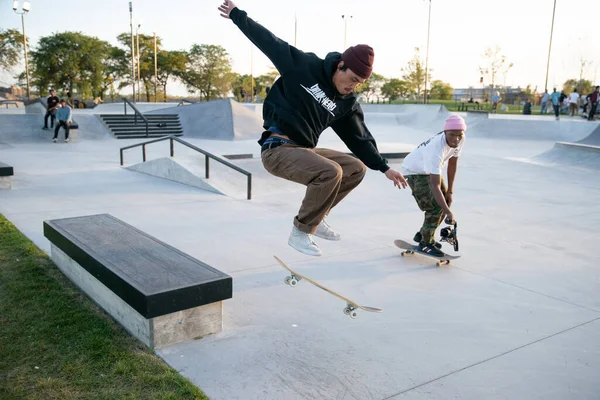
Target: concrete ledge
(156, 292)
(154, 332)
(5, 182)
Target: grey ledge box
(156, 292)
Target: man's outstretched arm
(355, 134)
(283, 56)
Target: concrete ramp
(593, 138)
(571, 154)
(218, 120)
(27, 128)
(523, 129)
(172, 170)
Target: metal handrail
(136, 113)
(207, 157)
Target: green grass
(452, 106)
(57, 344)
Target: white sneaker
(324, 231)
(54, 140)
(303, 242)
(67, 140)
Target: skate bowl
(571, 155)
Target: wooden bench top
(151, 276)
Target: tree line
(90, 67)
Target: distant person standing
(64, 119)
(51, 107)
(555, 97)
(574, 102)
(545, 98)
(593, 103)
(495, 100)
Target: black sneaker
(430, 249)
(418, 238)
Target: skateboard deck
(351, 306)
(412, 249)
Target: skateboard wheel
(347, 311)
(293, 282)
(437, 264)
(403, 253)
(353, 314)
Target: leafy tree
(582, 86)
(494, 64)
(170, 64)
(11, 48)
(394, 89)
(372, 86)
(208, 71)
(414, 74)
(70, 60)
(146, 62)
(441, 90)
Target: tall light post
(132, 51)
(345, 18)
(137, 34)
(24, 9)
(295, 29)
(155, 69)
(550, 46)
(427, 54)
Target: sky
(461, 30)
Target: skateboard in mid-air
(351, 306)
(412, 249)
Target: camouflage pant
(421, 191)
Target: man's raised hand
(226, 8)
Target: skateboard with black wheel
(412, 249)
(351, 306)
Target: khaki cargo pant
(421, 191)
(328, 174)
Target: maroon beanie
(359, 59)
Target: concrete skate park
(516, 316)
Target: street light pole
(132, 51)
(137, 33)
(427, 54)
(25, 9)
(550, 46)
(155, 69)
(345, 18)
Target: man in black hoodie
(311, 95)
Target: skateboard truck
(449, 234)
(292, 280)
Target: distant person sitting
(51, 106)
(527, 107)
(64, 119)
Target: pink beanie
(455, 123)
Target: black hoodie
(304, 102)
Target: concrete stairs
(124, 126)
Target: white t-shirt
(430, 157)
(573, 97)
